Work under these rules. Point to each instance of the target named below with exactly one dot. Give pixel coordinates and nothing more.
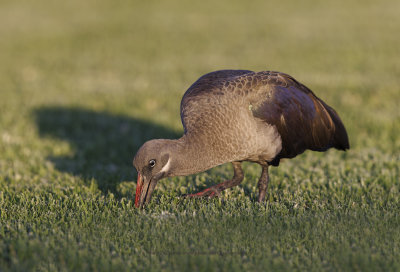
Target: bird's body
(240, 115)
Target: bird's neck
(193, 156)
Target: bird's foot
(211, 192)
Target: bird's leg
(263, 183)
(216, 189)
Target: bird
(232, 116)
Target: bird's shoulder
(240, 83)
(214, 83)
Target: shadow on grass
(104, 144)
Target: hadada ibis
(235, 116)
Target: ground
(84, 83)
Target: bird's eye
(152, 163)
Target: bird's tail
(340, 139)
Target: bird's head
(153, 162)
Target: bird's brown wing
(303, 120)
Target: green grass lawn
(84, 83)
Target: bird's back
(241, 110)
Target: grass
(83, 84)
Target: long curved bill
(139, 188)
(144, 190)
